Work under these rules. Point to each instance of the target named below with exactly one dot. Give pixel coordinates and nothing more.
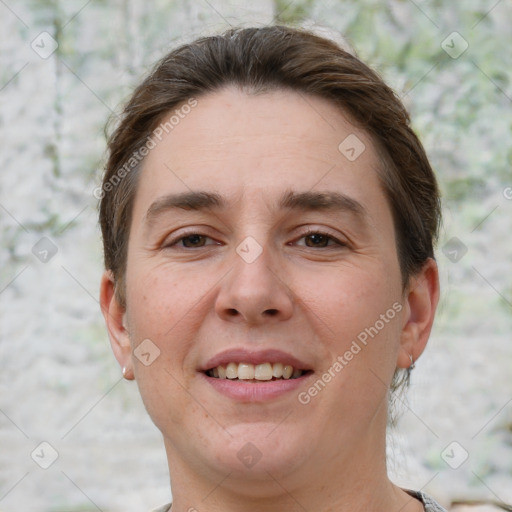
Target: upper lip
(243, 355)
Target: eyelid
(323, 232)
(176, 239)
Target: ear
(420, 301)
(114, 315)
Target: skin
(299, 295)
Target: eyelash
(174, 242)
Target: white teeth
(248, 371)
(262, 371)
(287, 371)
(277, 370)
(245, 371)
(232, 371)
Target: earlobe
(114, 314)
(421, 299)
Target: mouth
(263, 372)
(255, 376)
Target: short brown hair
(259, 60)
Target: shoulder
(165, 508)
(429, 503)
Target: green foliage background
(59, 381)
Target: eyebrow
(290, 200)
(323, 201)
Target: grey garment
(165, 508)
(428, 503)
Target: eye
(320, 239)
(312, 239)
(189, 241)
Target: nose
(255, 292)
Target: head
(265, 194)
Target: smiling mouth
(263, 372)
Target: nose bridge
(253, 290)
(253, 263)
(252, 275)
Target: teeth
(245, 371)
(262, 371)
(287, 371)
(277, 370)
(232, 371)
(248, 371)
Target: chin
(259, 452)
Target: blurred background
(74, 436)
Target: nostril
(271, 312)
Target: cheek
(345, 301)
(356, 315)
(155, 306)
(359, 329)
(168, 305)
(159, 299)
(161, 308)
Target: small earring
(413, 364)
(125, 372)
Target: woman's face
(261, 234)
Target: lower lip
(255, 391)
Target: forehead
(255, 146)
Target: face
(255, 239)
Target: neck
(355, 478)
